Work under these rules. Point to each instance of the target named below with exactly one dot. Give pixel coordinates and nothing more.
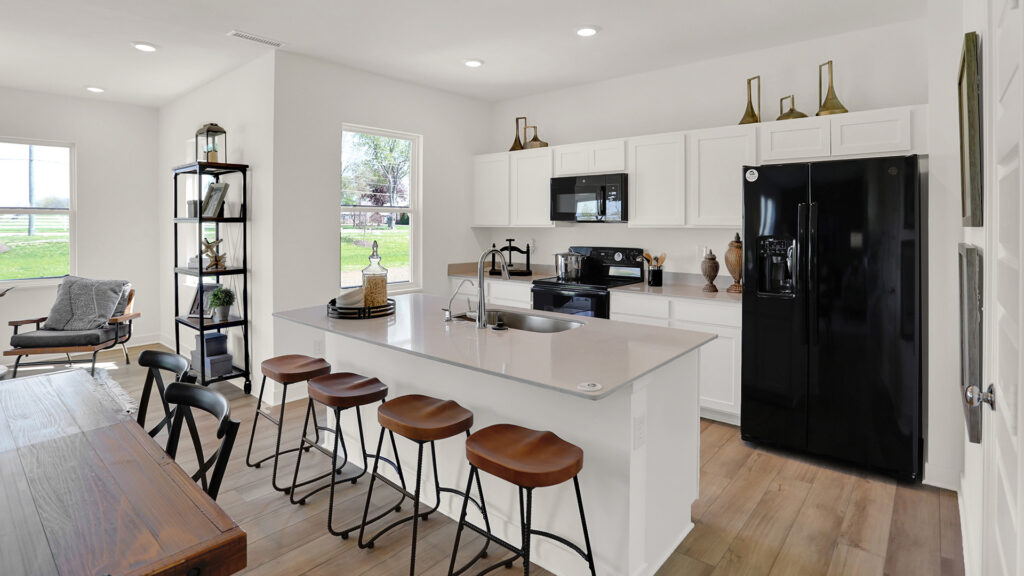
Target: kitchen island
(625, 393)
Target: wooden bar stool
(287, 369)
(529, 459)
(337, 392)
(423, 420)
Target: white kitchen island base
(640, 443)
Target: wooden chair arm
(24, 322)
(124, 318)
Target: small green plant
(222, 297)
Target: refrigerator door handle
(812, 271)
(799, 281)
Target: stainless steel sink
(525, 322)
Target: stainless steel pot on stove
(568, 266)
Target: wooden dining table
(84, 490)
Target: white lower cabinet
(720, 359)
(499, 293)
(719, 371)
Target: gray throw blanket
(85, 304)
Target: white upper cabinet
(792, 139)
(871, 132)
(714, 168)
(657, 185)
(531, 187)
(590, 158)
(491, 190)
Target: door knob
(975, 397)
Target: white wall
(313, 98)
(876, 68)
(115, 159)
(944, 419)
(242, 101)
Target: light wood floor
(760, 512)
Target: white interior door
(1003, 471)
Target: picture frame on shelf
(213, 200)
(969, 96)
(206, 290)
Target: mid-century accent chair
(89, 316)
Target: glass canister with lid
(375, 281)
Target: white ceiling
(528, 46)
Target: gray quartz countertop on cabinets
(601, 351)
(675, 284)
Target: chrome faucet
(481, 305)
(448, 311)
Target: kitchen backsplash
(684, 247)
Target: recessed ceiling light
(144, 46)
(587, 31)
(94, 89)
(474, 63)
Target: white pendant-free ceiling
(529, 46)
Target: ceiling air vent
(255, 38)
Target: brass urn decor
(709, 268)
(734, 264)
(830, 104)
(534, 142)
(518, 144)
(792, 112)
(749, 116)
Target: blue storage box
(215, 365)
(216, 343)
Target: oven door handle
(569, 291)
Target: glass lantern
(211, 143)
(375, 281)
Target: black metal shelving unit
(201, 324)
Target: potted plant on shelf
(221, 300)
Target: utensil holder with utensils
(654, 270)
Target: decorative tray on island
(359, 312)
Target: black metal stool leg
(277, 447)
(527, 532)
(255, 419)
(416, 508)
(369, 494)
(334, 467)
(298, 457)
(583, 520)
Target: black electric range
(603, 268)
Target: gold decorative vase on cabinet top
(518, 143)
(749, 116)
(830, 104)
(535, 142)
(792, 112)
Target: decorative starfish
(210, 248)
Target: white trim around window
(414, 209)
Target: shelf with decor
(207, 226)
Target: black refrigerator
(832, 309)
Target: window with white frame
(35, 210)
(380, 175)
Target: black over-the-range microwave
(600, 198)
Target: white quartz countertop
(605, 352)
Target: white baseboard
(720, 416)
(940, 477)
